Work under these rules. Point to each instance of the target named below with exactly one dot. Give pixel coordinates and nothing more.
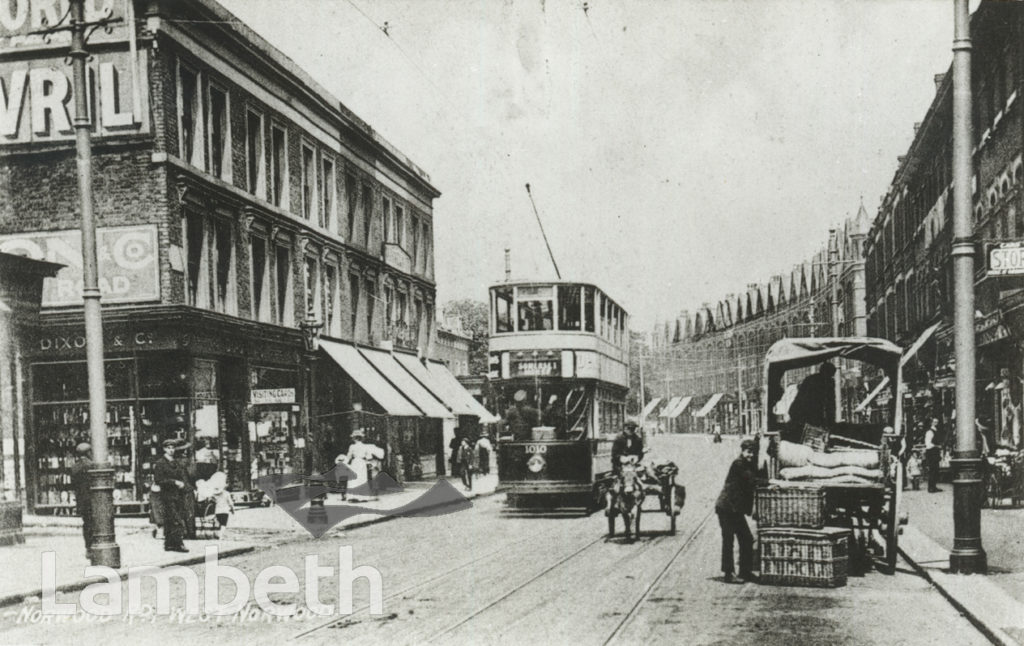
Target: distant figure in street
(170, 476)
(83, 494)
(627, 443)
(733, 505)
(466, 451)
(364, 459)
(521, 418)
(484, 448)
(718, 433)
(815, 398)
(932, 453)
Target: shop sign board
(990, 329)
(272, 396)
(1005, 258)
(128, 267)
(536, 368)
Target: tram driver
(627, 443)
(521, 418)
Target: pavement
(24, 566)
(993, 602)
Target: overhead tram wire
(541, 224)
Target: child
(914, 470)
(224, 506)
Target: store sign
(535, 368)
(272, 396)
(37, 102)
(1005, 258)
(990, 329)
(128, 266)
(19, 18)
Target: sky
(676, 150)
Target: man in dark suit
(627, 443)
(83, 492)
(172, 479)
(734, 504)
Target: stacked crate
(795, 546)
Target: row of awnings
(403, 385)
(676, 405)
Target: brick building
(909, 267)
(237, 201)
(708, 366)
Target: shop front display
(273, 422)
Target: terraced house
(242, 211)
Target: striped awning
(672, 403)
(680, 407)
(709, 405)
(649, 408)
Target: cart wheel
(672, 508)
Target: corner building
(237, 203)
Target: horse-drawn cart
(633, 484)
(847, 471)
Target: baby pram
(207, 526)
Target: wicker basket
(804, 557)
(796, 506)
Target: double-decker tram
(559, 365)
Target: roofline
(231, 25)
(558, 281)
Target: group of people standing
(470, 454)
(174, 493)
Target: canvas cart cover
(787, 354)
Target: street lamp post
(967, 556)
(104, 550)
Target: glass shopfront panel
(273, 421)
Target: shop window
(285, 313)
(352, 199)
(226, 298)
(218, 134)
(367, 214)
(165, 376)
(309, 196)
(189, 121)
(353, 295)
(254, 153)
(327, 214)
(279, 167)
(535, 311)
(503, 321)
(569, 307)
(272, 436)
(330, 316)
(198, 270)
(260, 298)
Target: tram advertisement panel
(545, 461)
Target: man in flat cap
(83, 493)
(627, 443)
(521, 418)
(170, 476)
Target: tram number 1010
(536, 448)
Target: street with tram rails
(496, 575)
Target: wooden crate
(804, 557)
(791, 506)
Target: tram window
(503, 310)
(588, 309)
(536, 311)
(568, 307)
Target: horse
(625, 497)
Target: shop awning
(447, 380)
(680, 407)
(672, 403)
(369, 379)
(651, 405)
(709, 405)
(400, 378)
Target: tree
(473, 316)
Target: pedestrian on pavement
(932, 450)
(364, 459)
(223, 505)
(484, 448)
(170, 476)
(453, 446)
(628, 442)
(83, 491)
(734, 504)
(466, 451)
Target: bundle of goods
(799, 462)
(808, 557)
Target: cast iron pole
(967, 556)
(104, 550)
